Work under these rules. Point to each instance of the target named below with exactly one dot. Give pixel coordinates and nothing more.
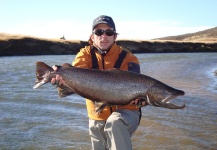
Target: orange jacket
(83, 59)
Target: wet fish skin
(114, 86)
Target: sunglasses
(100, 32)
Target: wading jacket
(84, 60)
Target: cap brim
(104, 23)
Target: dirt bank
(18, 46)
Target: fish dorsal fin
(67, 65)
(117, 71)
(114, 70)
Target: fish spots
(113, 87)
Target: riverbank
(16, 45)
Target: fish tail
(42, 74)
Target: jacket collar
(103, 52)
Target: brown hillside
(209, 35)
(20, 45)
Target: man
(113, 127)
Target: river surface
(39, 120)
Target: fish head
(160, 95)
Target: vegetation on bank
(18, 45)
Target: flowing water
(38, 119)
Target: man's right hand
(58, 80)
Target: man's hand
(139, 101)
(58, 80)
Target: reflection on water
(38, 119)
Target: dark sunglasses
(100, 32)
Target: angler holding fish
(113, 93)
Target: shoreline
(16, 45)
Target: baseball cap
(104, 19)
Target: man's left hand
(139, 101)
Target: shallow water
(38, 119)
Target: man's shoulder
(126, 49)
(85, 49)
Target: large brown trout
(113, 86)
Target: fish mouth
(165, 103)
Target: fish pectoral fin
(101, 107)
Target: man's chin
(104, 48)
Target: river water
(38, 119)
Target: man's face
(104, 41)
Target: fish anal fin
(64, 91)
(101, 107)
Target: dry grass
(206, 36)
(5, 37)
